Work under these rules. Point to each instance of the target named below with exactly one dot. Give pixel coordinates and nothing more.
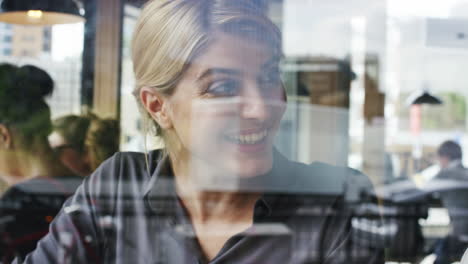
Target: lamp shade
(423, 98)
(40, 12)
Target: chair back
(456, 203)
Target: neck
(209, 207)
(205, 206)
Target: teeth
(252, 138)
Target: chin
(229, 175)
(252, 168)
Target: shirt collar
(160, 192)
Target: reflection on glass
(220, 191)
(252, 115)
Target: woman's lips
(248, 138)
(249, 141)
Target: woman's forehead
(235, 53)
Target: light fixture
(423, 97)
(415, 101)
(40, 12)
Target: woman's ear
(157, 106)
(5, 137)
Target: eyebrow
(214, 71)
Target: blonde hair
(170, 33)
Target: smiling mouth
(248, 138)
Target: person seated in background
(38, 183)
(455, 198)
(449, 156)
(84, 142)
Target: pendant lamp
(40, 12)
(423, 97)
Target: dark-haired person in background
(84, 142)
(449, 155)
(38, 182)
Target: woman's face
(227, 107)
(72, 158)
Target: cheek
(195, 130)
(66, 157)
(207, 130)
(71, 159)
(277, 112)
(280, 110)
(180, 116)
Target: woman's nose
(254, 104)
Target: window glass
(246, 131)
(58, 50)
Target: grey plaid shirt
(128, 212)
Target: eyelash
(218, 88)
(231, 87)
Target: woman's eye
(224, 88)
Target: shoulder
(326, 179)
(39, 195)
(128, 165)
(456, 173)
(125, 173)
(59, 185)
(117, 181)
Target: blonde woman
(207, 79)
